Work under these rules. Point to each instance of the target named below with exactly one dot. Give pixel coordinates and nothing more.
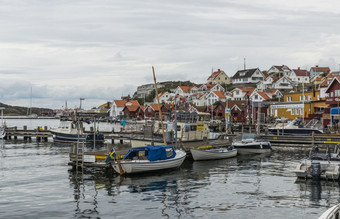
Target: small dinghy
(212, 153)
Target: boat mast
(160, 110)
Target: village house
(247, 76)
(118, 106)
(152, 111)
(241, 93)
(333, 99)
(305, 105)
(215, 96)
(300, 76)
(219, 77)
(282, 70)
(319, 70)
(211, 87)
(184, 91)
(283, 83)
(164, 97)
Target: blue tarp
(153, 152)
(335, 110)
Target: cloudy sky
(102, 49)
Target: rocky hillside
(23, 111)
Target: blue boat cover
(153, 152)
(335, 110)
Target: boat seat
(332, 172)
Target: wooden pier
(40, 134)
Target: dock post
(113, 141)
(266, 131)
(278, 133)
(121, 141)
(91, 129)
(38, 139)
(242, 129)
(312, 139)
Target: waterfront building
(118, 106)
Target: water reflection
(315, 190)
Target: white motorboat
(148, 158)
(331, 213)
(296, 127)
(319, 165)
(212, 153)
(250, 145)
(70, 132)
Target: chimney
(298, 68)
(218, 69)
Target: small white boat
(250, 145)
(320, 165)
(331, 213)
(149, 158)
(213, 153)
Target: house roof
(320, 69)
(219, 94)
(336, 78)
(247, 73)
(248, 90)
(122, 103)
(186, 88)
(154, 107)
(132, 108)
(301, 72)
(214, 75)
(265, 74)
(263, 95)
(324, 83)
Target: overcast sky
(102, 49)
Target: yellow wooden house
(299, 105)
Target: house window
(237, 92)
(318, 97)
(331, 94)
(297, 111)
(256, 96)
(292, 111)
(245, 79)
(301, 111)
(309, 97)
(300, 98)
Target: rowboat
(149, 158)
(213, 154)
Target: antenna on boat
(160, 110)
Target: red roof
(320, 69)
(122, 103)
(186, 88)
(215, 74)
(301, 72)
(264, 95)
(220, 94)
(132, 108)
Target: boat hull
(256, 147)
(212, 154)
(71, 138)
(297, 131)
(328, 169)
(139, 166)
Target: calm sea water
(36, 182)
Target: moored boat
(148, 158)
(319, 166)
(250, 145)
(70, 132)
(296, 127)
(212, 153)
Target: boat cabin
(151, 153)
(190, 126)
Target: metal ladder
(80, 154)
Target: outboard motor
(316, 170)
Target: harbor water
(36, 182)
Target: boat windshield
(248, 137)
